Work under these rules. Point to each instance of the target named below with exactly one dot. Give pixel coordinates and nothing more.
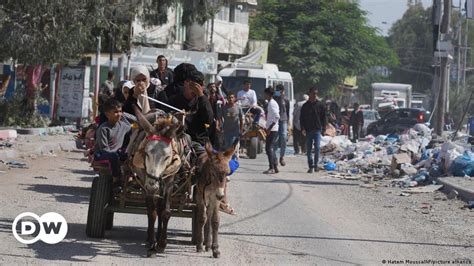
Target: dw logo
(50, 228)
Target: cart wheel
(109, 221)
(252, 149)
(100, 197)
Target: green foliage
(319, 41)
(46, 32)
(14, 113)
(412, 39)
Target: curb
(464, 193)
(40, 149)
(45, 130)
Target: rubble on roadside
(412, 160)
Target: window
(232, 12)
(223, 13)
(238, 14)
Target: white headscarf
(137, 70)
(143, 102)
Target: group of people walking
(311, 120)
(217, 115)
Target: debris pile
(414, 158)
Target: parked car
(370, 116)
(397, 121)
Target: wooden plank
(137, 210)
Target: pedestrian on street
(273, 115)
(160, 78)
(107, 88)
(313, 122)
(356, 122)
(299, 141)
(345, 118)
(106, 93)
(163, 72)
(233, 122)
(220, 87)
(284, 106)
(247, 99)
(216, 101)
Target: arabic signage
(72, 87)
(204, 62)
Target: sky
(386, 11)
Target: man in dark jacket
(181, 72)
(356, 122)
(313, 122)
(284, 105)
(164, 74)
(193, 100)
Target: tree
(412, 39)
(41, 32)
(45, 32)
(319, 41)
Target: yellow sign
(350, 81)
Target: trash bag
(379, 139)
(392, 138)
(421, 177)
(435, 171)
(392, 150)
(425, 154)
(233, 166)
(422, 129)
(404, 138)
(462, 165)
(330, 130)
(330, 166)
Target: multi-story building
(226, 34)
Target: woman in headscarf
(141, 78)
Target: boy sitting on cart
(112, 138)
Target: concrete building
(227, 34)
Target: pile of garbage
(414, 158)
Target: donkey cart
(104, 201)
(253, 137)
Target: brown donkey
(210, 191)
(159, 161)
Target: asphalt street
(288, 218)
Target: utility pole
(129, 50)
(436, 18)
(466, 34)
(444, 54)
(97, 77)
(458, 68)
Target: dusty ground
(288, 218)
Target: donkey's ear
(143, 122)
(231, 150)
(209, 149)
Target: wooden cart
(104, 202)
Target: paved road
(288, 218)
